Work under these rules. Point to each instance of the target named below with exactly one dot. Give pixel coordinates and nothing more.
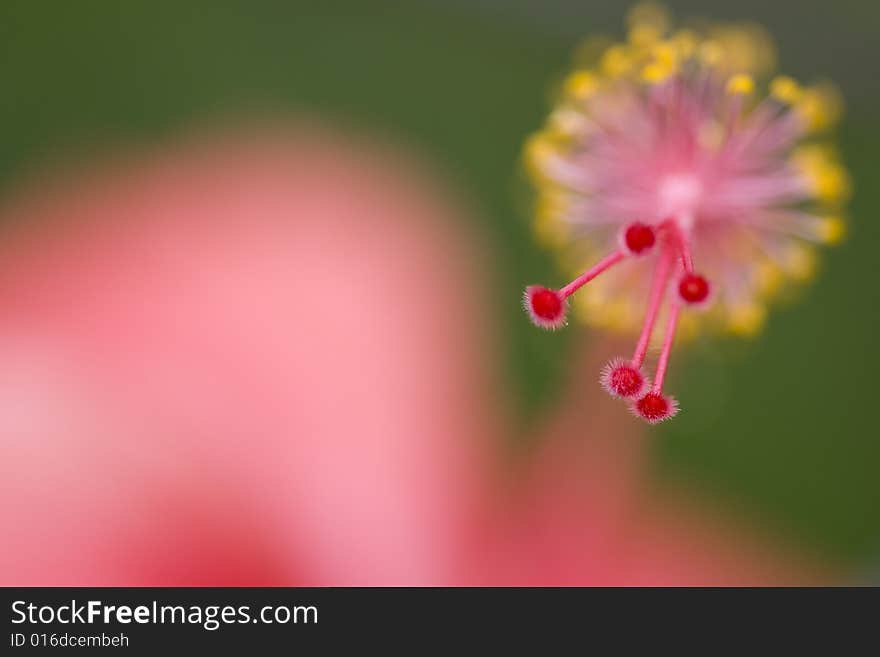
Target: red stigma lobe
(639, 238)
(655, 407)
(623, 379)
(546, 304)
(693, 288)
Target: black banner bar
(245, 620)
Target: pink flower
(199, 387)
(693, 195)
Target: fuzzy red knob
(693, 288)
(546, 307)
(623, 379)
(655, 407)
(639, 238)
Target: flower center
(679, 195)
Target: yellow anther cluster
(831, 230)
(741, 84)
(616, 61)
(653, 54)
(710, 52)
(768, 278)
(685, 43)
(582, 84)
(800, 261)
(539, 149)
(653, 73)
(786, 89)
(662, 64)
(827, 178)
(820, 106)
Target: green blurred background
(783, 428)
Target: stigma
(674, 284)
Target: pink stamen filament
(761, 119)
(606, 263)
(734, 112)
(668, 338)
(687, 260)
(655, 300)
(684, 247)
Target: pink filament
(668, 338)
(606, 263)
(658, 288)
(684, 248)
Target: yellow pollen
(786, 89)
(664, 54)
(768, 279)
(710, 53)
(654, 73)
(685, 43)
(616, 61)
(800, 262)
(820, 107)
(663, 63)
(830, 182)
(741, 85)
(538, 150)
(827, 178)
(581, 84)
(831, 230)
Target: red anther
(623, 379)
(655, 407)
(639, 238)
(546, 307)
(693, 288)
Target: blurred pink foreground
(265, 361)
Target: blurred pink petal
(265, 330)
